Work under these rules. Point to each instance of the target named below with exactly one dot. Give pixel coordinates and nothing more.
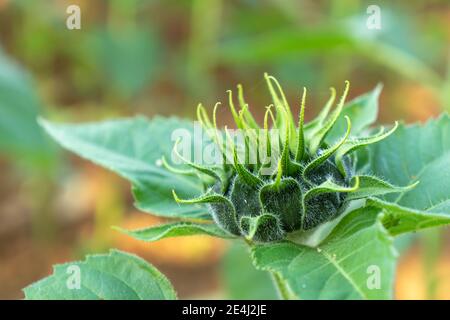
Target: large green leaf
(132, 148)
(416, 153)
(341, 267)
(112, 276)
(20, 134)
(176, 229)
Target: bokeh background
(163, 57)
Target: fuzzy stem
(284, 292)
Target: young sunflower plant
(313, 181)
(318, 204)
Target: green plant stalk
(282, 287)
(284, 292)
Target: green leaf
(176, 229)
(114, 276)
(399, 220)
(133, 149)
(416, 153)
(341, 267)
(20, 135)
(362, 111)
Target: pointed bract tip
(349, 126)
(175, 197)
(356, 185)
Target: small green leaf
(175, 229)
(114, 276)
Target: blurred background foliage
(163, 57)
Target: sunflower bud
(310, 184)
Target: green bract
(313, 180)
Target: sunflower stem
(284, 292)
